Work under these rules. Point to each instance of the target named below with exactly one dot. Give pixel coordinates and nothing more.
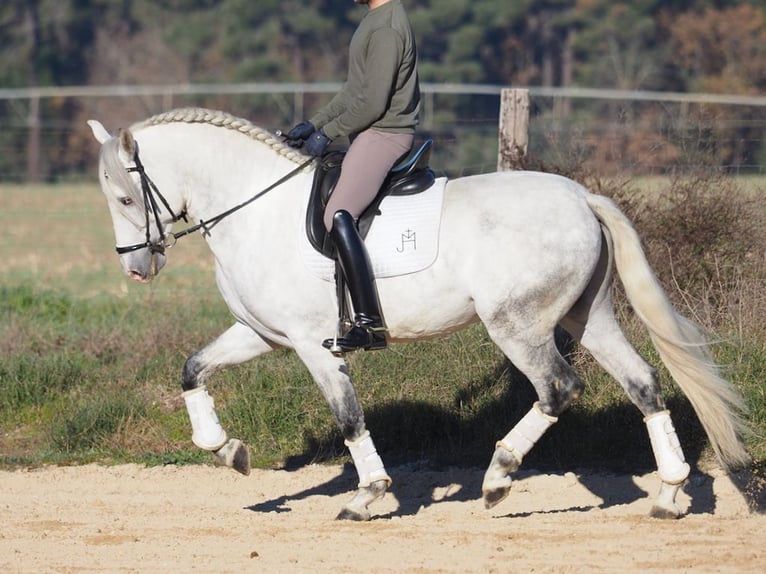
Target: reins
(167, 240)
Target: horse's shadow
(464, 485)
(412, 495)
(344, 482)
(421, 435)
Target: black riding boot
(368, 331)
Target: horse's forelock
(117, 172)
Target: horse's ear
(127, 143)
(99, 131)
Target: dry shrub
(705, 239)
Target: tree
(672, 45)
(722, 51)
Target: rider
(378, 109)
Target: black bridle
(151, 193)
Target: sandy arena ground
(208, 519)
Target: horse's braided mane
(226, 120)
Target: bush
(705, 239)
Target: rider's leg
(365, 166)
(368, 331)
(368, 160)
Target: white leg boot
(367, 461)
(671, 464)
(373, 479)
(527, 432)
(510, 451)
(207, 432)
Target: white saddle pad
(403, 239)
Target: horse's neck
(206, 169)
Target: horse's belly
(417, 311)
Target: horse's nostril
(138, 276)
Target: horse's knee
(190, 374)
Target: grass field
(90, 365)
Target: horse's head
(140, 222)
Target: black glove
(317, 143)
(297, 135)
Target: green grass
(90, 368)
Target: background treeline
(660, 45)
(676, 45)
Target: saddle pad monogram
(403, 239)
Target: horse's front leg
(373, 478)
(236, 345)
(334, 380)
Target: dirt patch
(207, 519)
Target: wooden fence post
(513, 129)
(34, 141)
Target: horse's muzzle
(143, 266)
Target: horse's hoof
(497, 483)
(355, 515)
(665, 513)
(495, 496)
(356, 508)
(236, 455)
(665, 506)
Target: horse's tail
(681, 345)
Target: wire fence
(44, 137)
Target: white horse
(522, 252)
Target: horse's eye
(106, 174)
(126, 201)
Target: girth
(411, 176)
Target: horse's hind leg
(236, 345)
(602, 336)
(557, 385)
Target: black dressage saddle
(412, 175)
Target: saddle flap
(405, 241)
(411, 176)
(325, 178)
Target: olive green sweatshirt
(381, 90)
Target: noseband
(151, 208)
(150, 194)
